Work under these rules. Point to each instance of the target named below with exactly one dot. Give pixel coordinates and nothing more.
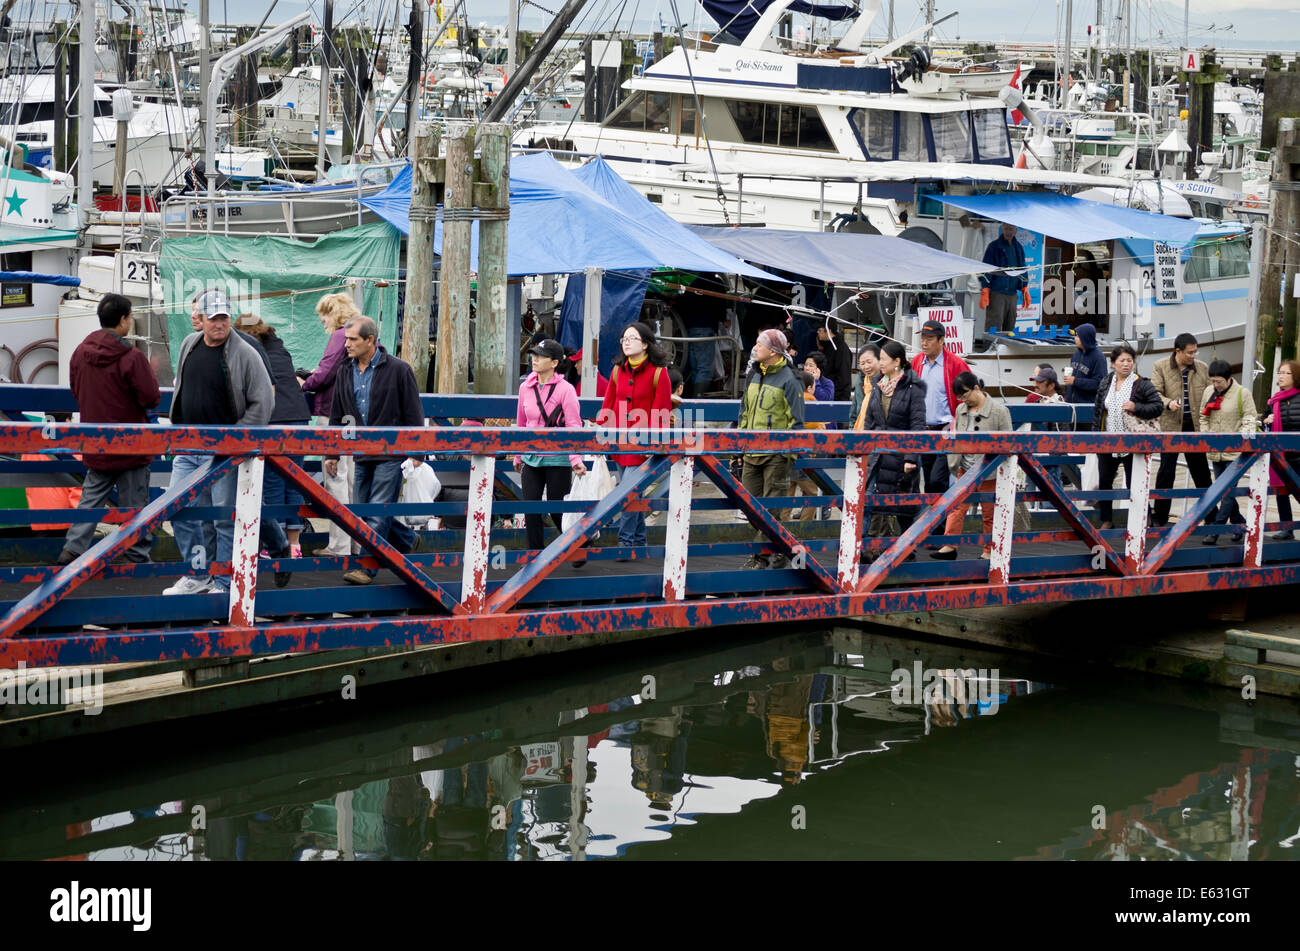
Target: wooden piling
(453, 290)
(496, 358)
(426, 182)
(1275, 256)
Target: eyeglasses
(962, 394)
(632, 338)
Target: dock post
(678, 539)
(594, 278)
(478, 533)
(1135, 539)
(248, 530)
(1004, 521)
(855, 490)
(1256, 511)
(426, 182)
(496, 356)
(453, 291)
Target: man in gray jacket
(220, 381)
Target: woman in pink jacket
(547, 400)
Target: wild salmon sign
(959, 331)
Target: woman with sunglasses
(978, 413)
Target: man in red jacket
(113, 383)
(937, 369)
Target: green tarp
(281, 279)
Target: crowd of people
(235, 371)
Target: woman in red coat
(639, 397)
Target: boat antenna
(699, 117)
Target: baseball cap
(1045, 375)
(933, 327)
(214, 302)
(549, 348)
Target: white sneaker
(189, 585)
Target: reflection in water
(888, 748)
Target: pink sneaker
(295, 551)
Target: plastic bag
(592, 486)
(419, 484)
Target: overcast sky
(1224, 23)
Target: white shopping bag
(1089, 475)
(592, 486)
(419, 484)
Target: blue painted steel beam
(144, 439)
(358, 529)
(765, 521)
(1196, 514)
(223, 641)
(1055, 493)
(578, 534)
(958, 494)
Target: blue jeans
(381, 483)
(277, 491)
(700, 355)
(202, 538)
(631, 527)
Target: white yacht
(712, 104)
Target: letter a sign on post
(1192, 61)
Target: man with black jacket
(221, 380)
(374, 388)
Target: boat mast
(207, 136)
(323, 97)
(86, 108)
(1067, 62)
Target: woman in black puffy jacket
(897, 404)
(1122, 395)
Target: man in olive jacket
(1181, 382)
(773, 399)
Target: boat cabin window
(876, 126)
(686, 115)
(911, 138)
(643, 112)
(780, 124)
(991, 135)
(887, 135)
(951, 131)
(1218, 259)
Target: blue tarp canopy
(33, 277)
(738, 17)
(558, 225)
(1075, 220)
(842, 258)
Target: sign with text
(1169, 274)
(1191, 61)
(959, 331)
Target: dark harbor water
(825, 744)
